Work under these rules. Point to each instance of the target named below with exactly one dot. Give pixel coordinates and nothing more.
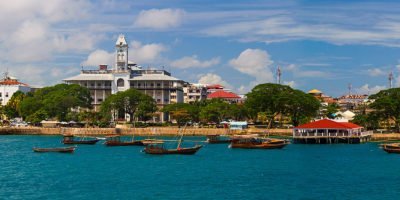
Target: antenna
(278, 75)
(390, 79)
(349, 87)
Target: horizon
(324, 46)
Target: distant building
(226, 96)
(193, 92)
(10, 85)
(103, 82)
(351, 102)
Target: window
(151, 84)
(0, 94)
(158, 84)
(99, 100)
(120, 82)
(6, 94)
(92, 84)
(99, 84)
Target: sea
(299, 171)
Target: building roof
(9, 81)
(155, 77)
(223, 94)
(328, 124)
(314, 91)
(91, 77)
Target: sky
(325, 45)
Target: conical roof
(314, 91)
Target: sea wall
(162, 131)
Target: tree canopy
(386, 105)
(54, 102)
(275, 99)
(132, 102)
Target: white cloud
(193, 61)
(256, 63)
(366, 89)
(146, 53)
(160, 18)
(301, 73)
(99, 57)
(376, 72)
(211, 78)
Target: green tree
(132, 102)
(331, 110)
(55, 101)
(216, 111)
(275, 99)
(386, 105)
(13, 105)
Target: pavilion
(327, 131)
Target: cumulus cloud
(366, 89)
(160, 18)
(301, 73)
(99, 57)
(145, 53)
(211, 78)
(256, 63)
(193, 61)
(376, 72)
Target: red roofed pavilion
(329, 131)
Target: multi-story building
(103, 82)
(10, 85)
(193, 92)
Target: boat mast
(180, 139)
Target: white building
(103, 82)
(10, 85)
(193, 92)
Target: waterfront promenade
(161, 131)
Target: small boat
(391, 148)
(116, 141)
(216, 139)
(69, 139)
(56, 149)
(158, 147)
(255, 142)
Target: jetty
(327, 131)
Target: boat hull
(161, 151)
(81, 142)
(119, 143)
(258, 146)
(59, 150)
(391, 148)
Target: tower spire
(390, 79)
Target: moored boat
(116, 141)
(391, 148)
(158, 148)
(255, 142)
(217, 139)
(55, 149)
(70, 139)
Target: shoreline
(163, 131)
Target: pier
(329, 132)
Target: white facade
(8, 86)
(103, 82)
(193, 92)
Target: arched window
(120, 82)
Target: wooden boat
(116, 141)
(391, 148)
(158, 147)
(255, 142)
(69, 139)
(56, 149)
(216, 139)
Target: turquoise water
(337, 171)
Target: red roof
(223, 94)
(11, 82)
(328, 124)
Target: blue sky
(318, 44)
